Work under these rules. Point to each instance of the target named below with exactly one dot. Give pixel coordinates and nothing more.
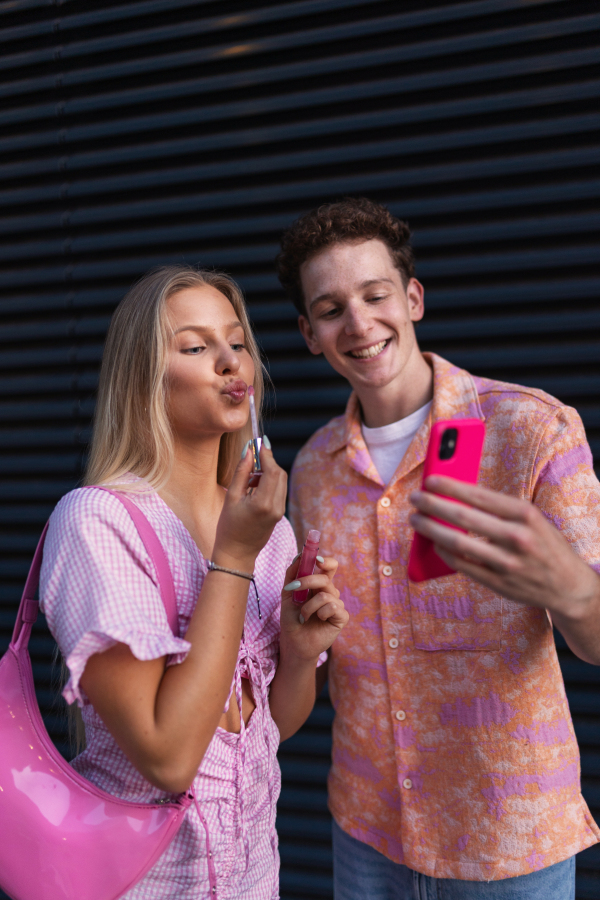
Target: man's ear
(309, 335)
(415, 294)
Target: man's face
(359, 315)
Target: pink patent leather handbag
(62, 838)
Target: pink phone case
(424, 563)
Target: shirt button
(407, 783)
(387, 570)
(385, 501)
(401, 715)
(393, 642)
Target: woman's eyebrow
(202, 329)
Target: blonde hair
(132, 432)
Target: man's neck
(399, 399)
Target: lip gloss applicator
(257, 471)
(307, 562)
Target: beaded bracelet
(213, 567)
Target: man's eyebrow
(204, 329)
(364, 284)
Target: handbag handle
(29, 606)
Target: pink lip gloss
(257, 470)
(307, 562)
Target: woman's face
(209, 367)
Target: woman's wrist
(290, 659)
(244, 562)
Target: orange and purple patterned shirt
(453, 747)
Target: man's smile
(369, 352)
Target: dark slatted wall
(167, 130)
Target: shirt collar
(454, 397)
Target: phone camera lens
(448, 443)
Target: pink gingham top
(98, 587)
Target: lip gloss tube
(257, 470)
(307, 562)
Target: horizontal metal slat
(137, 97)
(51, 356)
(488, 295)
(324, 125)
(60, 300)
(81, 326)
(317, 828)
(44, 438)
(48, 383)
(303, 799)
(38, 410)
(30, 490)
(466, 201)
(286, 40)
(196, 174)
(71, 21)
(25, 514)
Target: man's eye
(329, 313)
(377, 297)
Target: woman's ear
(309, 336)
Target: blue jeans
(362, 873)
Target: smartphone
(455, 447)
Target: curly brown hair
(351, 220)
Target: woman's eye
(193, 351)
(238, 347)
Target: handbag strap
(29, 605)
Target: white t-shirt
(388, 444)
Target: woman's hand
(249, 517)
(308, 630)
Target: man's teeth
(375, 350)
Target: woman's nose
(228, 362)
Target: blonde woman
(208, 707)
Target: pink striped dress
(98, 586)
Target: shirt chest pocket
(455, 613)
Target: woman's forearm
(164, 718)
(293, 693)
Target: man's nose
(356, 320)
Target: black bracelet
(213, 567)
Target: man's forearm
(582, 631)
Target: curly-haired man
(455, 769)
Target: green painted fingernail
(320, 559)
(301, 619)
(245, 450)
(293, 586)
(266, 442)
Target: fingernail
(293, 586)
(245, 450)
(266, 442)
(320, 559)
(301, 619)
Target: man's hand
(522, 555)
